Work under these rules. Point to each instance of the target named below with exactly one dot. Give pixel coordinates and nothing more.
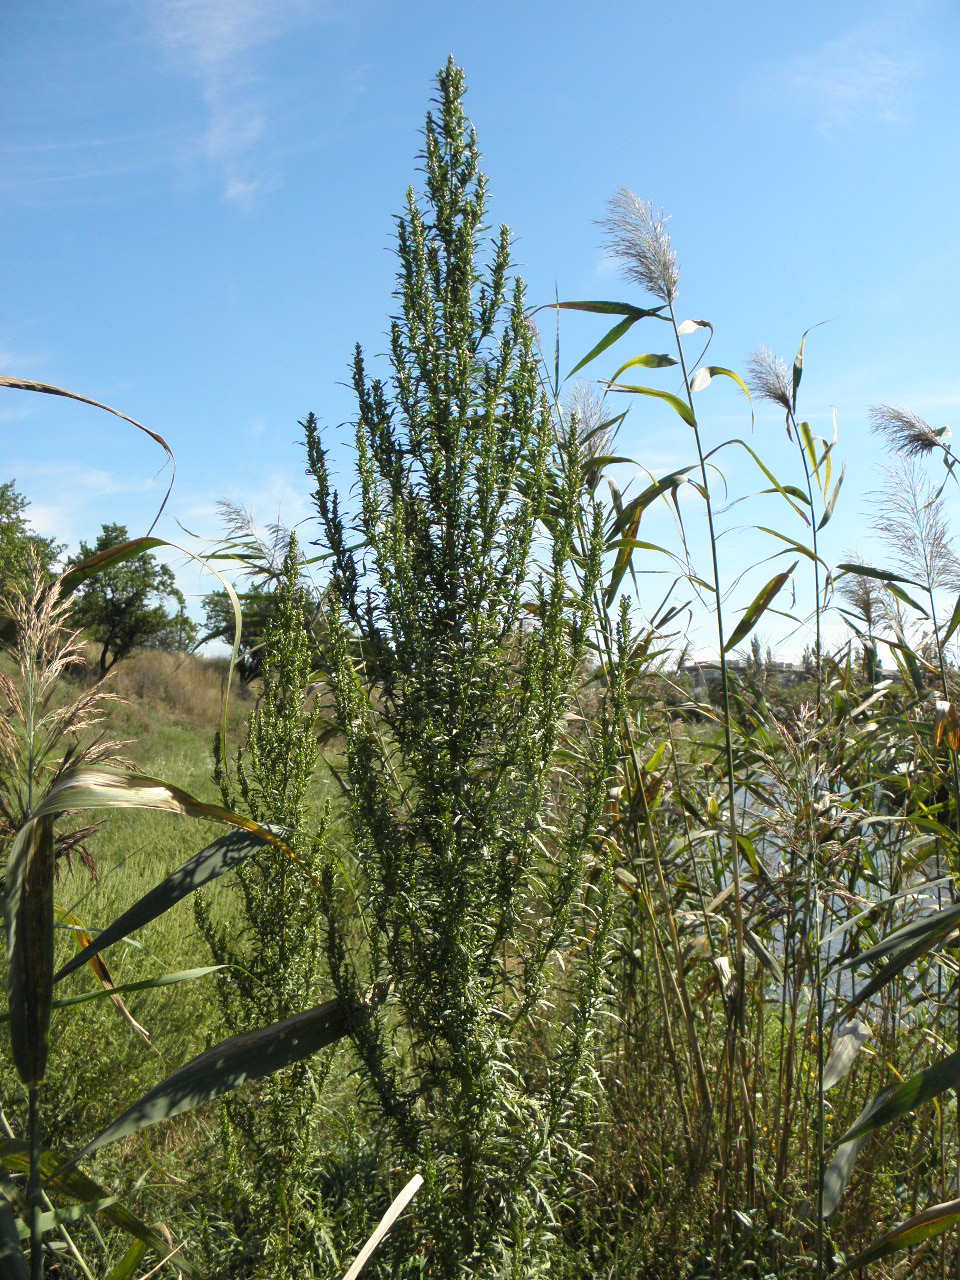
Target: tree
(122, 607)
(453, 648)
(258, 605)
(18, 541)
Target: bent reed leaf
(45, 388)
(758, 607)
(923, 1226)
(217, 858)
(234, 1062)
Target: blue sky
(197, 200)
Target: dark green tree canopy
(124, 606)
(18, 540)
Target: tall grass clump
(479, 891)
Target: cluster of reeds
(787, 991)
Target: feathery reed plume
(582, 412)
(770, 379)
(39, 739)
(864, 594)
(639, 240)
(903, 430)
(914, 526)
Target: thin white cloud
(861, 78)
(217, 42)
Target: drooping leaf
(903, 947)
(144, 984)
(222, 855)
(790, 493)
(913, 1093)
(924, 1226)
(758, 606)
(793, 544)
(679, 406)
(798, 368)
(691, 326)
(69, 1213)
(235, 1062)
(44, 388)
(28, 910)
(645, 362)
(952, 624)
(627, 520)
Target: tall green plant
(455, 641)
(272, 965)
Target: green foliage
(122, 607)
(454, 648)
(18, 542)
(274, 958)
(258, 604)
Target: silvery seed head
(639, 240)
(903, 430)
(770, 379)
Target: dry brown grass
(188, 688)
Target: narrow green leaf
(924, 1226)
(676, 404)
(953, 623)
(126, 1268)
(788, 492)
(610, 337)
(882, 575)
(227, 1066)
(916, 1091)
(718, 371)
(763, 953)
(832, 500)
(69, 1213)
(808, 447)
(904, 946)
(626, 519)
(225, 853)
(28, 910)
(645, 362)
(793, 544)
(89, 568)
(798, 368)
(758, 606)
(608, 309)
(144, 984)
